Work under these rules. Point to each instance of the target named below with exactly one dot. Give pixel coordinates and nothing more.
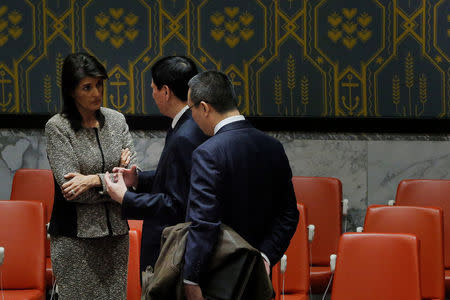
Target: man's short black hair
(175, 72)
(215, 88)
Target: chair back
(322, 197)
(428, 192)
(297, 271)
(373, 266)
(22, 234)
(134, 277)
(34, 184)
(135, 224)
(427, 224)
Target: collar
(227, 121)
(178, 116)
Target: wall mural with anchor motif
(315, 58)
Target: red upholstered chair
(22, 234)
(427, 224)
(374, 266)
(430, 192)
(322, 197)
(134, 278)
(296, 285)
(37, 184)
(135, 224)
(34, 184)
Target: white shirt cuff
(185, 281)
(265, 258)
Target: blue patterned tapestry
(319, 58)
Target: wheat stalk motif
(423, 88)
(59, 64)
(305, 91)
(396, 91)
(409, 77)
(291, 78)
(278, 93)
(422, 93)
(48, 90)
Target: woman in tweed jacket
(89, 239)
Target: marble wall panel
(392, 161)
(369, 166)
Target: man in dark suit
(240, 177)
(160, 196)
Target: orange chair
(430, 192)
(22, 234)
(322, 197)
(296, 285)
(34, 184)
(37, 184)
(135, 224)
(373, 266)
(427, 224)
(134, 278)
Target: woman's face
(88, 94)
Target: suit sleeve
(126, 142)
(285, 223)
(172, 196)
(63, 160)
(204, 213)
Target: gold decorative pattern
(304, 83)
(278, 93)
(6, 96)
(409, 78)
(423, 93)
(230, 28)
(116, 27)
(48, 90)
(118, 101)
(9, 25)
(291, 79)
(285, 58)
(448, 30)
(396, 91)
(350, 103)
(345, 28)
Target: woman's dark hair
(77, 66)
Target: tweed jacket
(87, 151)
(166, 282)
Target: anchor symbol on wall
(119, 104)
(5, 102)
(348, 103)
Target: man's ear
(166, 90)
(206, 107)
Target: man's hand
(193, 292)
(130, 176)
(117, 188)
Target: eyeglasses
(195, 104)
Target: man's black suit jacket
(240, 177)
(161, 195)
